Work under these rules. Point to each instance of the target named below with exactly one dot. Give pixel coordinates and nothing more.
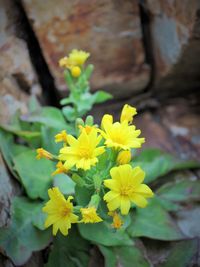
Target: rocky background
(146, 53)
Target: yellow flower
(65, 62)
(124, 157)
(89, 215)
(83, 151)
(120, 135)
(75, 71)
(60, 212)
(60, 169)
(117, 221)
(61, 137)
(78, 57)
(127, 113)
(42, 153)
(126, 187)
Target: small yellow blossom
(120, 135)
(42, 153)
(65, 62)
(60, 169)
(89, 215)
(82, 152)
(117, 221)
(78, 57)
(60, 212)
(127, 113)
(125, 188)
(61, 137)
(124, 157)
(76, 71)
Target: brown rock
(17, 76)
(175, 30)
(109, 30)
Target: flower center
(84, 153)
(126, 191)
(118, 139)
(65, 211)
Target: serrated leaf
(157, 163)
(102, 233)
(21, 238)
(154, 222)
(70, 251)
(35, 174)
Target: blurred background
(146, 53)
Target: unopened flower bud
(124, 157)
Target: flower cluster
(74, 62)
(100, 160)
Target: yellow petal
(114, 204)
(110, 196)
(139, 200)
(125, 206)
(144, 190)
(112, 184)
(71, 140)
(107, 120)
(138, 175)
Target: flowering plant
(99, 162)
(89, 185)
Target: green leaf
(35, 174)
(182, 253)
(9, 150)
(24, 134)
(48, 116)
(124, 256)
(182, 190)
(33, 103)
(48, 139)
(39, 219)
(83, 195)
(101, 96)
(65, 101)
(154, 222)
(65, 184)
(69, 113)
(21, 238)
(102, 233)
(157, 163)
(70, 251)
(109, 256)
(130, 254)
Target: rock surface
(109, 30)
(17, 77)
(175, 29)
